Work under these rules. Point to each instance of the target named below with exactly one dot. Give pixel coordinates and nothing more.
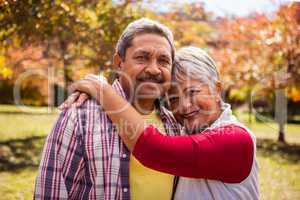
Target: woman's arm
(129, 122)
(225, 153)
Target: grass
(269, 129)
(16, 123)
(22, 135)
(278, 176)
(17, 184)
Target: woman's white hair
(196, 64)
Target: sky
(226, 7)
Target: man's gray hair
(195, 63)
(141, 26)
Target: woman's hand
(81, 90)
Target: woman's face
(193, 104)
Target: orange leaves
(188, 23)
(294, 93)
(251, 49)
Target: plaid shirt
(84, 157)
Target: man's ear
(117, 61)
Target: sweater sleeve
(225, 153)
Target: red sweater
(224, 153)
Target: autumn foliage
(255, 54)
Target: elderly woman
(215, 159)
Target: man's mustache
(155, 79)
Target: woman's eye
(193, 92)
(174, 100)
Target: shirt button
(124, 155)
(125, 189)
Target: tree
(262, 51)
(190, 24)
(67, 31)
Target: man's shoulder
(166, 113)
(89, 109)
(89, 116)
(89, 104)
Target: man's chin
(148, 94)
(151, 90)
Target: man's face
(146, 70)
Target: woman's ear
(117, 61)
(219, 89)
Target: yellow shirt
(145, 183)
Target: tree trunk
(281, 137)
(66, 63)
(51, 95)
(66, 77)
(281, 112)
(51, 75)
(249, 107)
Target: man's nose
(152, 68)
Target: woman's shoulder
(232, 131)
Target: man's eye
(140, 58)
(164, 62)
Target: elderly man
(83, 157)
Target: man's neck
(144, 106)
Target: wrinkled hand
(82, 90)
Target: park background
(47, 44)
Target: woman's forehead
(182, 84)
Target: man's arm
(61, 165)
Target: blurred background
(47, 44)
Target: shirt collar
(225, 118)
(165, 114)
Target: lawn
(22, 134)
(16, 123)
